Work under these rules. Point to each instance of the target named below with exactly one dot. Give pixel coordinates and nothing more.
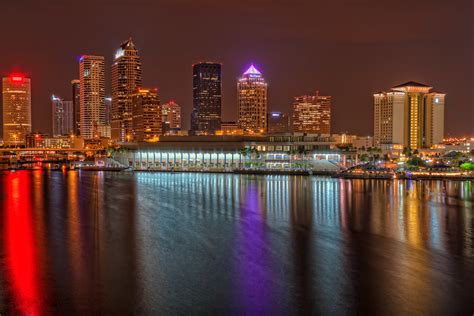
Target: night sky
(348, 49)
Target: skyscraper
(409, 115)
(63, 116)
(126, 79)
(252, 102)
(76, 100)
(146, 115)
(278, 122)
(312, 114)
(16, 109)
(92, 95)
(171, 117)
(207, 98)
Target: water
(122, 243)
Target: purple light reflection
(253, 288)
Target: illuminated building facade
(409, 115)
(16, 109)
(171, 117)
(252, 102)
(230, 128)
(278, 122)
(434, 118)
(92, 96)
(62, 116)
(228, 153)
(207, 98)
(146, 114)
(312, 114)
(40, 140)
(76, 100)
(126, 79)
(108, 111)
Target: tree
(406, 152)
(245, 152)
(416, 162)
(467, 166)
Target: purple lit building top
(252, 72)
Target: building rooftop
(252, 71)
(413, 84)
(128, 44)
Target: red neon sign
(17, 78)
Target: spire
(252, 71)
(128, 44)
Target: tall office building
(76, 100)
(207, 98)
(92, 96)
(16, 109)
(278, 122)
(312, 114)
(171, 117)
(63, 116)
(146, 115)
(126, 79)
(252, 102)
(410, 115)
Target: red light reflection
(21, 255)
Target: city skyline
(347, 62)
(247, 157)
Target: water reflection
(151, 243)
(21, 252)
(253, 278)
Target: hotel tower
(16, 109)
(409, 115)
(252, 102)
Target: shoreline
(331, 174)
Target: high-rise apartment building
(312, 114)
(146, 115)
(409, 115)
(16, 109)
(207, 98)
(92, 96)
(252, 102)
(62, 116)
(126, 79)
(171, 117)
(76, 100)
(278, 122)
